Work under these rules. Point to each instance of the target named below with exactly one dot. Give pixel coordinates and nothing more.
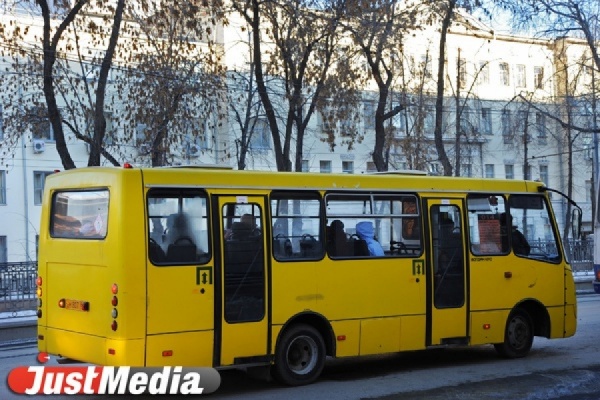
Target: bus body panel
(294, 285)
(189, 349)
(85, 270)
(177, 301)
(488, 326)
(166, 315)
(347, 334)
(349, 289)
(92, 349)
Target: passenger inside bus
(337, 240)
(520, 244)
(366, 232)
(179, 242)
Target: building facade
(502, 93)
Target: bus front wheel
(518, 335)
(300, 356)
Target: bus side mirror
(576, 223)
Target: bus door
(447, 294)
(243, 333)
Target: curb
(17, 322)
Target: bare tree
(177, 83)
(304, 36)
(377, 28)
(44, 57)
(90, 65)
(562, 19)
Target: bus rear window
(79, 214)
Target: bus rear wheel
(518, 335)
(300, 356)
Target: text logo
(112, 380)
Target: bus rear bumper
(81, 347)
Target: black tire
(299, 356)
(518, 335)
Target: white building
(495, 71)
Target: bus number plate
(76, 305)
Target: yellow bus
(217, 268)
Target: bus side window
(178, 241)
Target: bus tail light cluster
(114, 302)
(38, 292)
(598, 274)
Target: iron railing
(18, 289)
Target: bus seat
(282, 247)
(242, 256)
(240, 231)
(337, 242)
(156, 253)
(183, 250)
(361, 248)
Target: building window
(538, 77)
(39, 177)
(1, 123)
(2, 187)
(260, 138)
(489, 170)
(504, 74)
(506, 131)
(522, 121)
(324, 122)
(305, 167)
(40, 124)
(486, 121)
(589, 191)
(527, 171)
(466, 170)
(465, 123)
(484, 72)
(544, 174)
(426, 65)
(3, 250)
(521, 80)
(369, 115)
(509, 171)
(429, 121)
(462, 73)
(348, 167)
(540, 126)
(325, 166)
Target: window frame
(38, 190)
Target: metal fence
(581, 254)
(18, 289)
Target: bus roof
(192, 176)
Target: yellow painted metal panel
(295, 289)
(350, 289)
(243, 340)
(92, 349)
(178, 300)
(496, 320)
(187, 349)
(557, 321)
(379, 335)
(350, 331)
(412, 332)
(570, 320)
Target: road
(565, 369)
